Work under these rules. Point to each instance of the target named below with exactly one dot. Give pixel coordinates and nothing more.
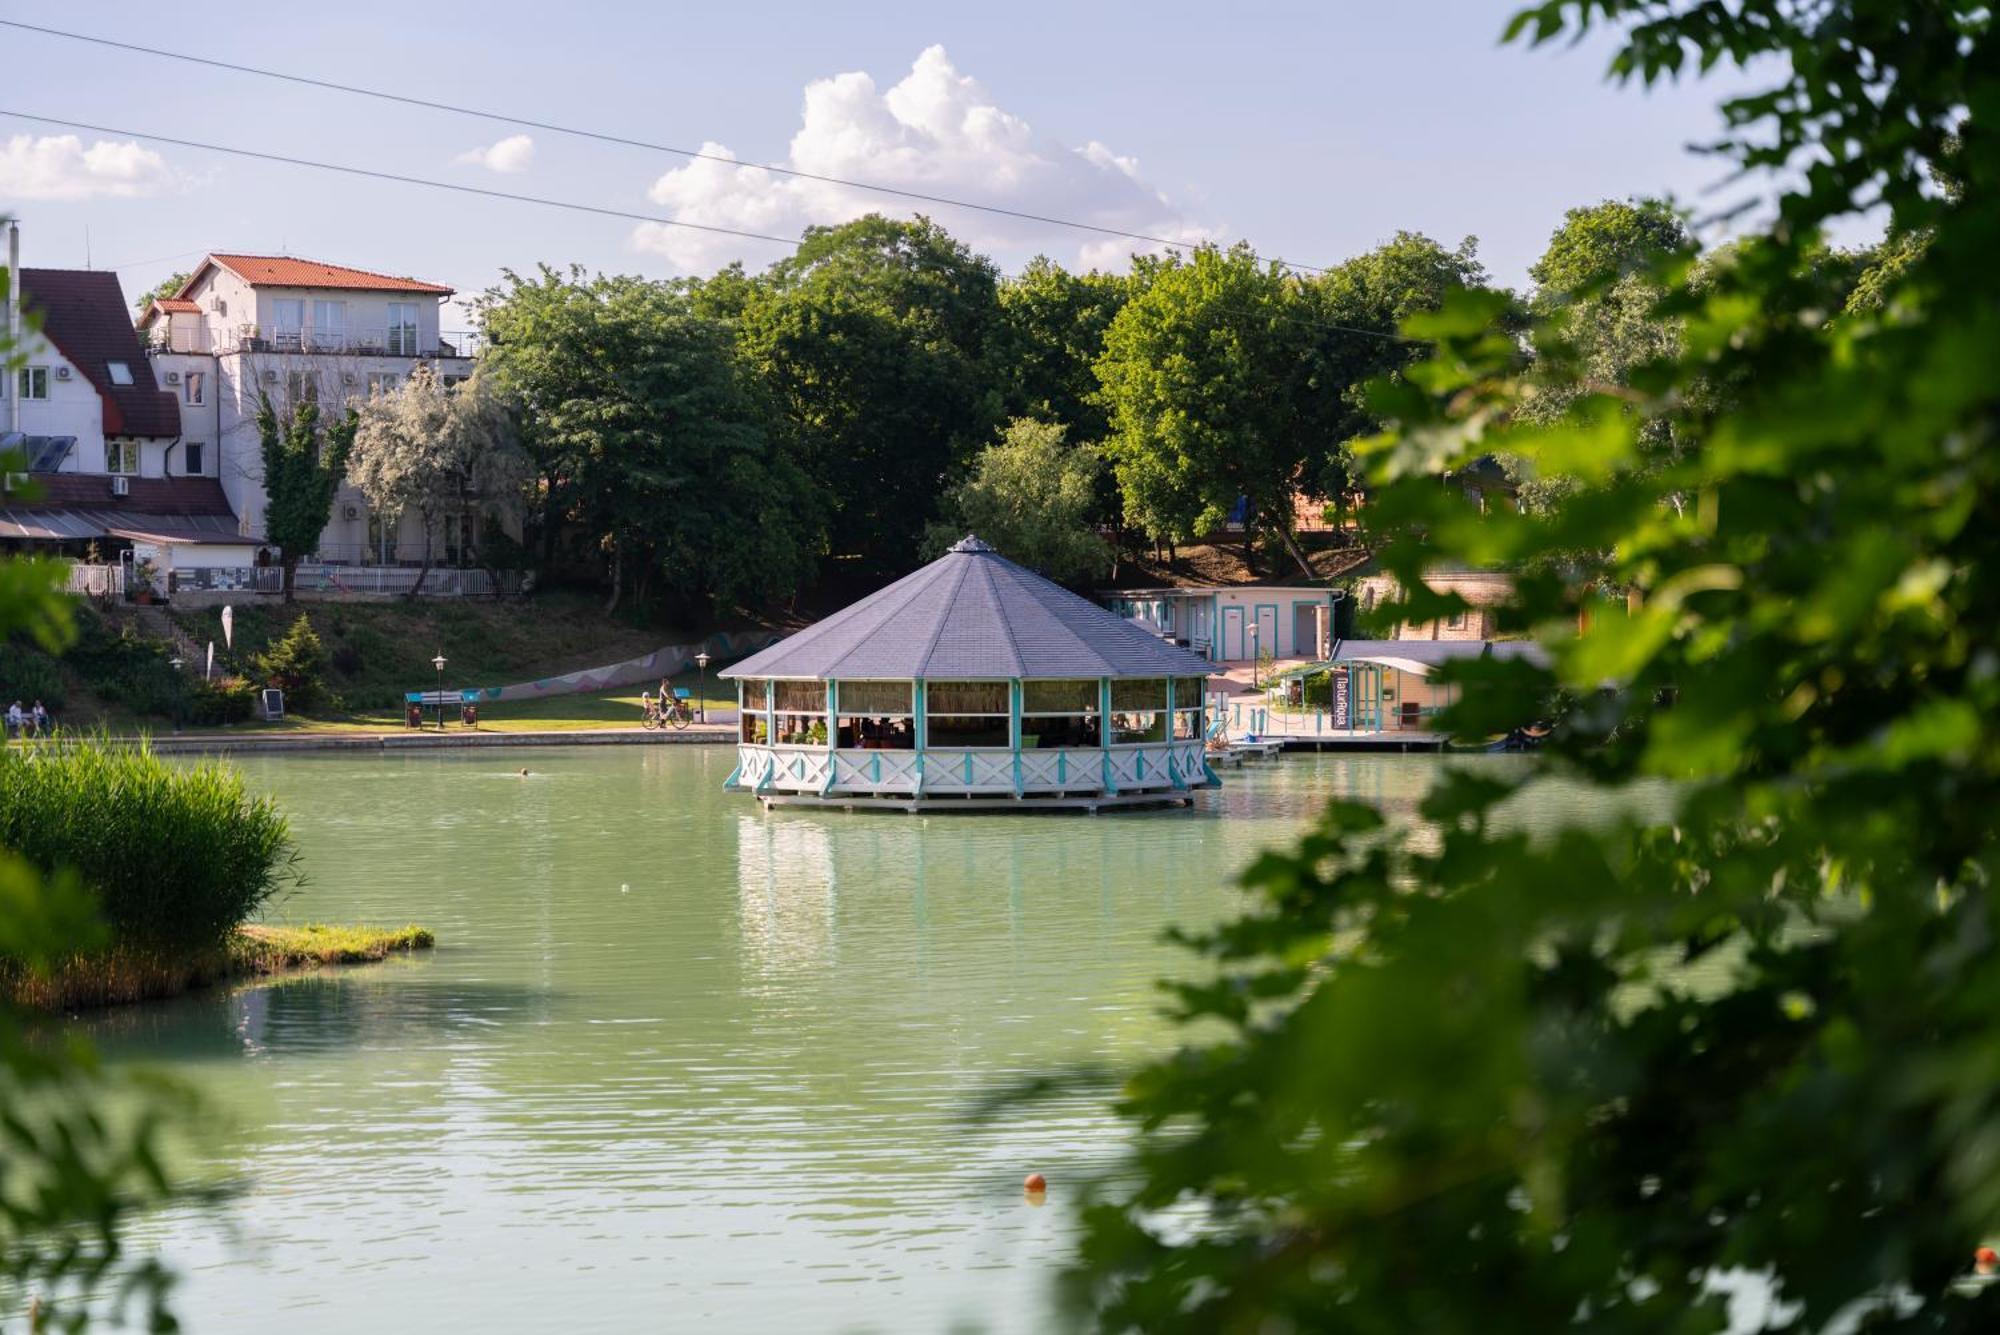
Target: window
(194, 389)
(329, 324)
(1059, 713)
(875, 715)
(301, 387)
(966, 713)
(798, 713)
(121, 372)
(34, 382)
(451, 382)
(403, 328)
(288, 322)
(1188, 694)
(1456, 621)
(754, 703)
(382, 382)
(381, 538)
(191, 458)
(1139, 710)
(121, 456)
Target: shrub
(224, 700)
(176, 856)
(29, 675)
(296, 665)
(126, 668)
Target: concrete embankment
(210, 743)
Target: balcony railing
(397, 341)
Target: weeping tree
(305, 459)
(425, 450)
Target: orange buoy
(1986, 1260)
(1035, 1182)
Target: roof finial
(970, 543)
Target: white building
(107, 468)
(244, 328)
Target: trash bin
(413, 717)
(468, 714)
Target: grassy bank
(123, 974)
(377, 651)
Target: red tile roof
(177, 306)
(283, 271)
(83, 312)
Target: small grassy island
(177, 859)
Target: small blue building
(972, 683)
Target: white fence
(441, 582)
(95, 581)
(991, 771)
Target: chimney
(13, 319)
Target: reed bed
(176, 856)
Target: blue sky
(1312, 130)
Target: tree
(304, 462)
(1469, 1078)
(421, 449)
(1598, 289)
(874, 343)
(296, 665)
(160, 291)
(650, 439)
(1052, 333)
(1030, 495)
(1352, 314)
(1202, 372)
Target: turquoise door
(1232, 635)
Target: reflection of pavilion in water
(833, 892)
(785, 892)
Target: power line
(374, 174)
(544, 201)
(621, 140)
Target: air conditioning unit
(121, 485)
(347, 377)
(173, 377)
(270, 377)
(350, 511)
(62, 373)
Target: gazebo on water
(972, 683)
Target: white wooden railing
(980, 772)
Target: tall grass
(176, 856)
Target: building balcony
(398, 341)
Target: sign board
(1343, 700)
(271, 702)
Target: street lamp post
(438, 663)
(1253, 655)
(701, 661)
(180, 688)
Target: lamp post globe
(438, 663)
(701, 661)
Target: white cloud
(937, 132)
(59, 167)
(514, 154)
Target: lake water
(679, 1063)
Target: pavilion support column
(921, 706)
(1104, 731)
(832, 735)
(1014, 730)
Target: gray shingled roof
(972, 613)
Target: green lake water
(678, 1063)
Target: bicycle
(677, 713)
